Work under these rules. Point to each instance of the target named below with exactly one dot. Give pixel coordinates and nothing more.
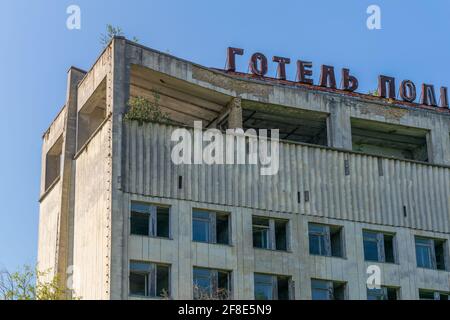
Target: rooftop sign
(258, 66)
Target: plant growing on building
(143, 110)
(27, 284)
(112, 32)
(207, 294)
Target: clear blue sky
(37, 49)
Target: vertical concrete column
(66, 219)
(118, 92)
(235, 113)
(438, 142)
(339, 126)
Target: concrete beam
(339, 126)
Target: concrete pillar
(339, 126)
(235, 114)
(118, 92)
(438, 143)
(66, 219)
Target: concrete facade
(107, 162)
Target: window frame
(151, 279)
(326, 234)
(273, 282)
(329, 287)
(213, 278)
(380, 238)
(152, 219)
(212, 225)
(431, 245)
(385, 293)
(271, 236)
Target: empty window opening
(328, 290)
(270, 234)
(378, 246)
(294, 124)
(211, 227)
(433, 295)
(149, 279)
(389, 140)
(150, 220)
(91, 115)
(53, 163)
(430, 253)
(273, 287)
(210, 284)
(383, 293)
(325, 240)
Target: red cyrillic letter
(382, 82)
(281, 69)
(304, 71)
(231, 61)
(260, 68)
(350, 83)
(444, 97)
(408, 91)
(428, 96)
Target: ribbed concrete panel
(374, 190)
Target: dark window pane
(392, 293)
(339, 291)
(139, 223)
(336, 242)
(389, 248)
(370, 246)
(280, 235)
(223, 285)
(283, 288)
(162, 281)
(439, 252)
(163, 222)
(200, 226)
(138, 284)
(443, 296)
(222, 229)
(263, 287)
(426, 295)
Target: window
(149, 279)
(210, 227)
(430, 253)
(270, 233)
(272, 287)
(325, 240)
(384, 293)
(433, 295)
(211, 284)
(53, 163)
(378, 247)
(150, 220)
(328, 290)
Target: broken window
(270, 233)
(383, 293)
(149, 279)
(210, 284)
(378, 246)
(210, 227)
(325, 240)
(150, 220)
(328, 290)
(433, 295)
(273, 287)
(430, 253)
(53, 163)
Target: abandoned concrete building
(362, 181)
